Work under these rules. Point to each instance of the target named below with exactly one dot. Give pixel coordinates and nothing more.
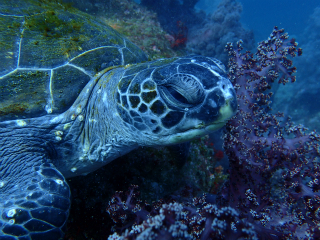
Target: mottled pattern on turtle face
(175, 95)
(49, 52)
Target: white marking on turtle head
(58, 181)
(219, 64)
(48, 109)
(79, 110)
(212, 103)
(104, 98)
(21, 123)
(11, 213)
(57, 118)
(58, 138)
(66, 126)
(58, 133)
(105, 153)
(215, 73)
(92, 120)
(225, 87)
(11, 221)
(73, 169)
(80, 118)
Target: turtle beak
(230, 107)
(201, 124)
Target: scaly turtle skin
(75, 95)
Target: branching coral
(261, 147)
(172, 220)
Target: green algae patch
(124, 84)
(150, 85)
(135, 88)
(32, 7)
(147, 97)
(67, 83)
(10, 30)
(53, 39)
(53, 34)
(24, 94)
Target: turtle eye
(182, 91)
(174, 98)
(177, 96)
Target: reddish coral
(219, 155)
(180, 38)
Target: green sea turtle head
(170, 101)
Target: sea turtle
(75, 95)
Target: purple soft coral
(197, 220)
(261, 148)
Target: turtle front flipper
(34, 197)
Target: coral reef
(138, 24)
(273, 188)
(205, 169)
(142, 27)
(222, 26)
(196, 220)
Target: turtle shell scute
(49, 52)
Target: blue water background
(262, 15)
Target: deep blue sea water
(262, 16)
